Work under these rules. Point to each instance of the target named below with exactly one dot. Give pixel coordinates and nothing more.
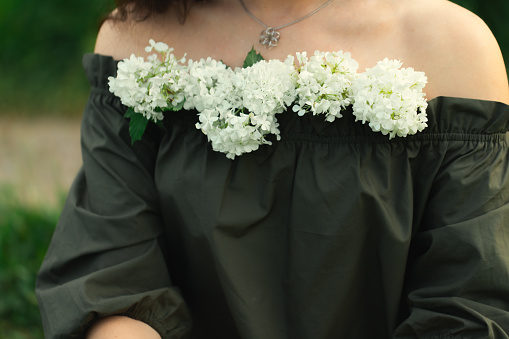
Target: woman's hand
(121, 327)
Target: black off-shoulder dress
(332, 232)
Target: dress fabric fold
(334, 231)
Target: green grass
(25, 232)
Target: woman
(332, 232)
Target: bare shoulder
(119, 39)
(456, 49)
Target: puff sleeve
(458, 273)
(107, 253)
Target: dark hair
(142, 9)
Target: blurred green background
(40, 62)
(42, 78)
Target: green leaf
(129, 113)
(179, 107)
(137, 124)
(252, 58)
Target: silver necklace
(269, 37)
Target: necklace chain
(269, 37)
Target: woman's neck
(280, 12)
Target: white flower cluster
(149, 87)
(324, 83)
(237, 107)
(390, 99)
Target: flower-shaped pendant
(269, 37)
